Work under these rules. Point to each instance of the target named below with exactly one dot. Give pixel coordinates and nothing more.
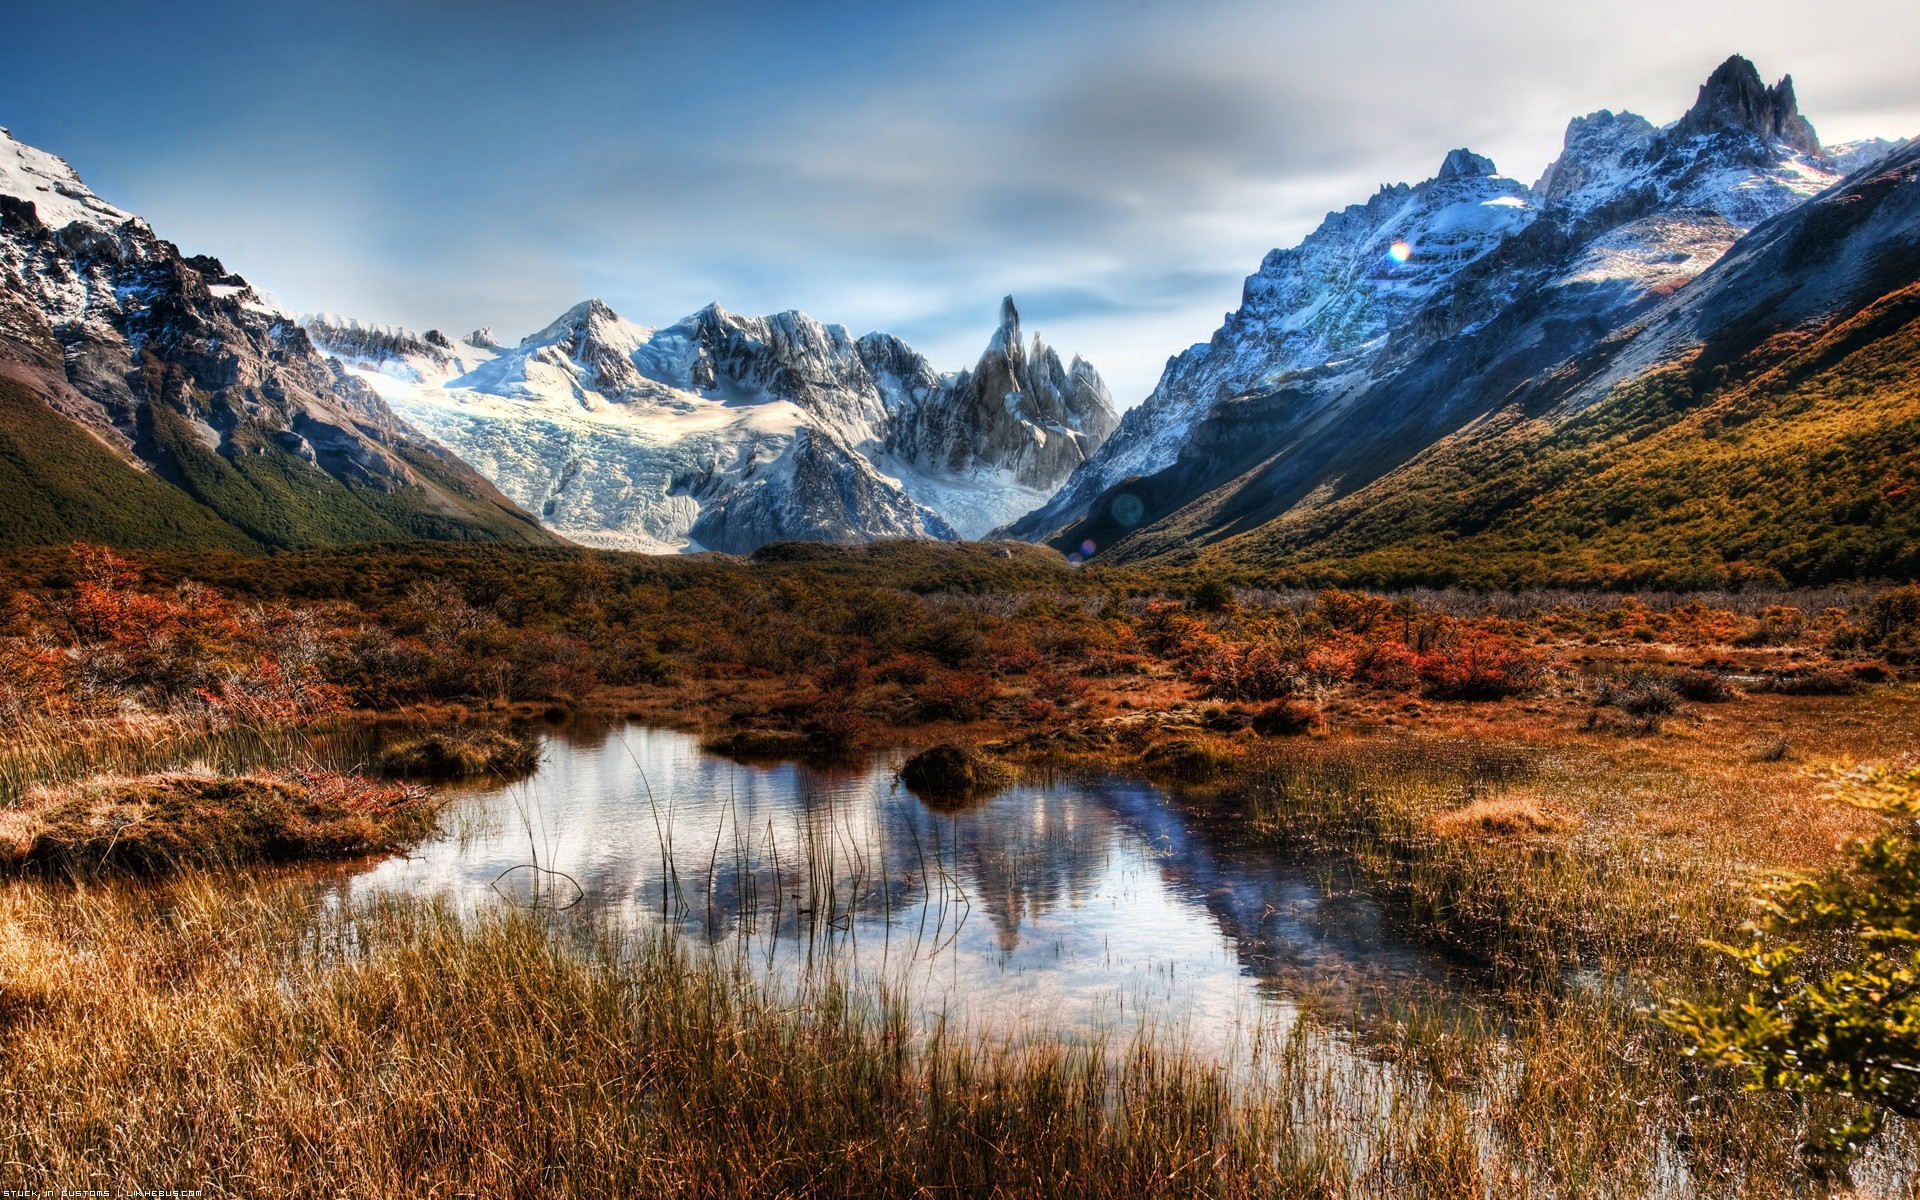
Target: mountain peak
(1465, 164)
(53, 187)
(1734, 98)
(1006, 339)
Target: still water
(1076, 904)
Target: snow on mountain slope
(1629, 212)
(1361, 274)
(54, 188)
(724, 432)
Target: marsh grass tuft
(468, 753)
(954, 774)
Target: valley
(1453, 737)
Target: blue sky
(1119, 166)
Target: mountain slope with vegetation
(62, 485)
(1795, 461)
(1752, 421)
(156, 400)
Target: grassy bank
(157, 824)
(230, 1039)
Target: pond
(1080, 903)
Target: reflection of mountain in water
(1050, 895)
(1030, 852)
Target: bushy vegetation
(464, 753)
(61, 484)
(817, 650)
(469, 1049)
(1833, 978)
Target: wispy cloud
(1119, 166)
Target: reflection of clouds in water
(1073, 905)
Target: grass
(466, 753)
(954, 774)
(50, 751)
(265, 1046)
(254, 1048)
(230, 1037)
(162, 823)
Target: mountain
(1761, 424)
(724, 432)
(1403, 321)
(154, 400)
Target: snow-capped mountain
(178, 372)
(1628, 213)
(723, 432)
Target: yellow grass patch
(1499, 816)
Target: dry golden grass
(232, 1038)
(1498, 816)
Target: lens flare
(1087, 547)
(1399, 252)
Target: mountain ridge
(1628, 215)
(726, 432)
(183, 378)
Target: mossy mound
(1188, 760)
(160, 823)
(762, 745)
(462, 754)
(950, 774)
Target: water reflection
(1072, 904)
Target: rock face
(1734, 101)
(179, 369)
(1399, 321)
(723, 432)
(1759, 422)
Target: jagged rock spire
(1735, 98)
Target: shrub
(1391, 666)
(1478, 665)
(1811, 681)
(905, 668)
(1892, 624)
(1640, 692)
(1703, 687)
(1251, 671)
(1777, 625)
(1831, 999)
(1285, 718)
(832, 726)
(956, 696)
(1213, 596)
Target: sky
(1118, 166)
